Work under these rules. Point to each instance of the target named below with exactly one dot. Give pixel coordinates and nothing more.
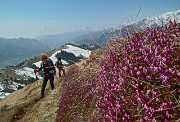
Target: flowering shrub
(77, 102)
(140, 79)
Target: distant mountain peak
(159, 20)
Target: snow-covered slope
(77, 51)
(159, 20)
(29, 72)
(130, 26)
(71, 49)
(8, 86)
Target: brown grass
(24, 105)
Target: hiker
(49, 71)
(60, 67)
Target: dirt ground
(25, 105)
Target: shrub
(77, 102)
(140, 79)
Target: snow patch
(26, 72)
(77, 51)
(3, 95)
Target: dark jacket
(49, 68)
(59, 64)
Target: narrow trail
(25, 104)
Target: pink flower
(138, 73)
(148, 77)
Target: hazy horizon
(29, 19)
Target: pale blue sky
(31, 18)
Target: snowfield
(77, 51)
(26, 72)
(3, 95)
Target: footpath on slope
(25, 105)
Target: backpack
(50, 64)
(49, 68)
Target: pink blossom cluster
(65, 102)
(77, 96)
(140, 79)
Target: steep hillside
(25, 104)
(14, 78)
(133, 79)
(77, 101)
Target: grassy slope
(77, 102)
(24, 105)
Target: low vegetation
(133, 79)
(77, 100)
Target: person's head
(59, 58)
(43, 57)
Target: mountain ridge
(19, 49)
(99, 38)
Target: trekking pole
(36, 76)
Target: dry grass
(24, 105)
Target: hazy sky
(31, 18)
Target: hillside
(18, 49)
(16, 77)
(25, 104)
(133, 79)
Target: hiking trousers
(45, 80)
(61, 69)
